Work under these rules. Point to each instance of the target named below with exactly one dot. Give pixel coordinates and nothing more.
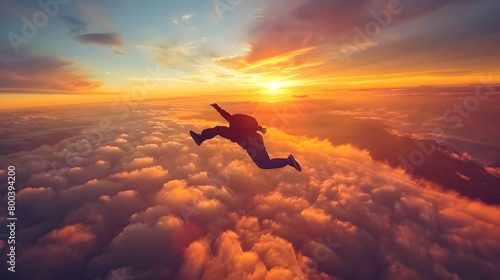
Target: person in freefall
(243, 129)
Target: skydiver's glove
(215, 106)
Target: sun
(274, 86)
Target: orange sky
(258, 48)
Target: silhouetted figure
(243, 130)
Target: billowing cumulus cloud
(147, 202)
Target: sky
(91, 51)
(390, 107)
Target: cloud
(233, 262)
(304, 43)
(172, 210)
(187, 17)
(119, 52)
(308, 41)
(317, 23)
(137, 163)
(73, 235)
(187, 57)
(77, 26)
(192, 61)
(46, 75)
(184, 21)
(317, 118)
(102, 39)
(60, 252)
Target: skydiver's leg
(210, 133)
(262, 160)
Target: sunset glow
(250, 140)
(274, 86)
(187, 50)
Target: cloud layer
(145, 201)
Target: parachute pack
(244, 122)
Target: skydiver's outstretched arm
(223, 113)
